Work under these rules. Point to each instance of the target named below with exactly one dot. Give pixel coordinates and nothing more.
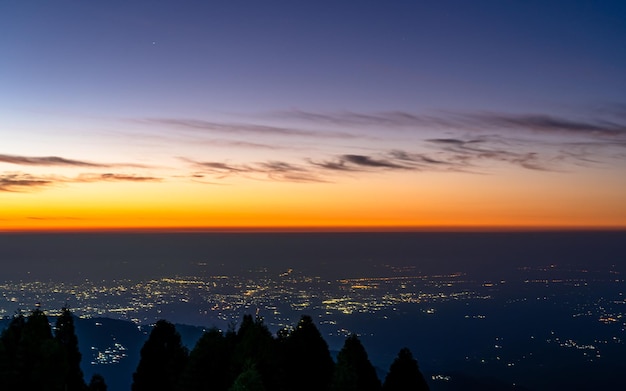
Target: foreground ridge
(36, 356)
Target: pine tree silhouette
(353, 371)
(208, 367)
(31, 358)
(65, 334)
(40, 360)
(307, 363)
(9, 342)
(256, 346)
(404, 374)
(163, 358)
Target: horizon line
(315, 229)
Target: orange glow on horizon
(305, 229)
(450, 202)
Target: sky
(312, 115)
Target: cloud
(195, 138)
(112, 177)
(24, 182)
(388, 119)
(272, 170)
(391, 160)
(336, 165)
(368, 161)
(534, 123)
(311, 170)
(543, 123)
(350, 162)
(60, 161)
(278, 166)
(232, 128)
(20, 182)
(241, 144)
(531, 141)
(454, 155)
(46, 161)
(221, 168)
(415, 158)
(468, 142)
(471, 152)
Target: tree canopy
(307, 363)
(354, 371)
(250, 358)
(404, 374)
(248, 380)
(32, 358)
(65, 335)
(163, 358)
(209, 365)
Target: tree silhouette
(32, 359)
(404, 374)
(162, 360)
(353, 371)
(248, 380)
(307, 362)
(66, 336)
(97, 383)
(5, 365)
(256, 346)
(208, 367)
(9, 343)
(39, 360)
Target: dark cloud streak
(471, 151)
(20, 182)
(534, 123)
(46, 161)
(367, 161)
(24, 182)
(549, 124)
(50, 161)
(231, 128)
(108, 177)
(272, 169)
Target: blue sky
(118, 58)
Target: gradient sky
(421, 114)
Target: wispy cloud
(25, 182)
(471, 153)
(321, 170)
(418, 159)
(478, 155)
(468, 155)
(243, 128)
(240, 144)
(268, 170)
(535, 141)
(60, 161)
(547, 124)
(474, 122)
(368, 161)
(441, 142)
(112, 177)
(21, 182)
(393, 119)
(46, 161)
(351, 162)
